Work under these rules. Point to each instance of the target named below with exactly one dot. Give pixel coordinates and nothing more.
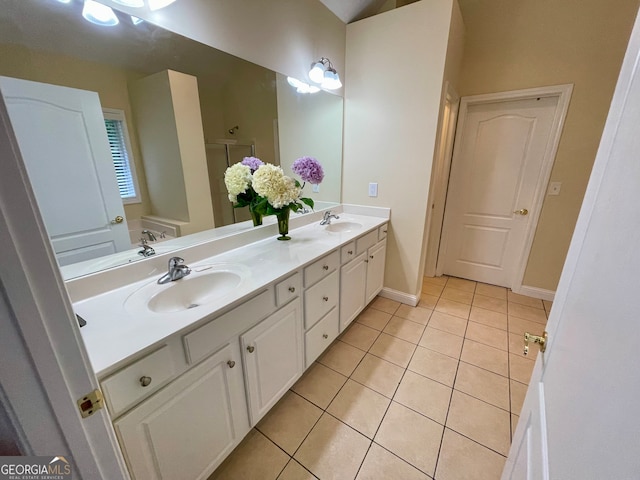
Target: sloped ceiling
(351, 10)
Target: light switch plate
(554, 188)
(373, 189)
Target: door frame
(563, 92)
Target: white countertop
(115, 332)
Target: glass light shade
(136, 20)
(131, 3)
(64, 1)
(302, 87)
(331, 80)
(99, 14)
(158, 4)
(316, 74)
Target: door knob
(540, 340)
(522, 211)
(118, 219)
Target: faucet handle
(174, 261)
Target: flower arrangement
(266, 190)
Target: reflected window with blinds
(121, 154)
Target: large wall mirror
(145, 76)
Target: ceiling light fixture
(322, 72)
(99, 14)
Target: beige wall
(390, 123)
(515, 44)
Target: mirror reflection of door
(58, 129)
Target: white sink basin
(195, 290)
(345, 226)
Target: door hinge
(90, 403)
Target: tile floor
(432, 391)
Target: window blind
(115, 134)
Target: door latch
(90, 403)
(540, 340)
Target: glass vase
(283, 224)
(255, 216)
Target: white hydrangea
(270, 182)
(237, 178)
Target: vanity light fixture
(322, 72)
(302, 87)
(99, 14)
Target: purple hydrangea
(252, 162)
(309, 170)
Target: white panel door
(63, 141)
(580, 416)
(497, 163)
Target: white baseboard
(401, 297)
(535, 292)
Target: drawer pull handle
(325, 336)
(250, 348)
(384, 231)
(350, 252)
(325, 267)
(326, 299)
(292, 289)
(231, 363)
(145, 381)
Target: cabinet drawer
(348, 252)
(126, 387)
(366, 241)
(288, 289)
(382, 231)
(321, 268)
(320, 298)
(320, 336)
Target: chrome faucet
(146, 251)
(176, 271)
(152, 237)
(327, 218)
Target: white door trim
(563, 92)
(45, 368)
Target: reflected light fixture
(99, 14)
(131, 3)
(64, 1)
(158, 4)
(302, 87)
(323, 73)
(136, 20)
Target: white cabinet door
(375, 269)
(185, 430)
(273, 354)
(353, 279)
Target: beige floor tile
(295, 471)
(547, 306)
(453, 308)
(518, 392)
(493, 337)
(415, 314)
(428, 301)
(431, 289)
(373, 318)
(448, 323)
(456, 295)
(424, 395)
(524, 300)
(514, 424)
(461, 284)
(490, 303)
(319, 385)
(520, 325)
(435, 280)
(516, 347)
(342, 358)
(520, 368)
(484, 356)
(359, 407)
(289, 422)
(404, 329)
(489, 318)
(482, 384)
(434, 365)
(393, 349)
(385, 304)
(411, 436)
(255, 457)
(360, 336)
(488, 425)
(380, 464)
(332, 450)
(528, 313)
(379, 375)
(461, 458)
(491, 291)
(442, 342)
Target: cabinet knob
(326, 299)
(325, 336)
(292, 289)
(231, 363)
(250, 348)
(350, 252)
(370, 256)
(366, 261)
(325, 267)
(145, 381)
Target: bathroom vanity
(187, 368)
